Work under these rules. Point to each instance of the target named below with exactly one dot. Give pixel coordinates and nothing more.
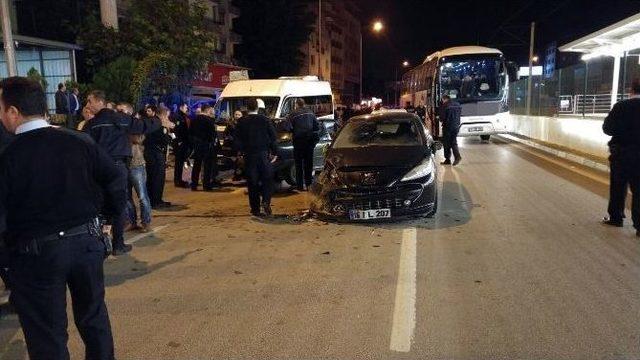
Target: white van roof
(298, 86)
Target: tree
(176, 29)
(272, 33)
(115, 79)
(34, 74)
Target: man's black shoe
(266, 208)
(166, 203)
(120, 250)
(610, 222)
(256, 213)
(446, 162)
(456, 161)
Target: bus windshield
(472, 78)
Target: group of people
(68, 104)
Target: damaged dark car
(379, 167)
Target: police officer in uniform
(450, 117)
(53, 184)
(204, 139)
(306, 133)
(183, 146)
(111, 130)
(623, 125)
(256, 140)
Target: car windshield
(227, 106)
(378, 133)
(471, 79)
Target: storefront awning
(21, 39)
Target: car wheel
(485, 137)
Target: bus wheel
(485, 137)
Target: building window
(313, 60)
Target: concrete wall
(575, 133)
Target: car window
(320, 105)
(379, 133)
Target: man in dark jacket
(256, 139)
(450, 117)
(306, 133)
(156, 143)
(51, 182)
(204, 140)
(183, 145)
(623, 125)
(111, 131)
(62, 100)
(5, 138)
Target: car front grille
(376, 199)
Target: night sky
(416, 28)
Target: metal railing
(591, 104)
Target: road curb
(558, 153)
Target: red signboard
(216, 76)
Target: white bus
(474, 76)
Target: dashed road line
(404, 313)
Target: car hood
(373, 166)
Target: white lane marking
(139, 237)
(404, 312)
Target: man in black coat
(256, 140)
(182, 143)
(5, 138)
(62, 100)
(156, 143)
(305, 128)
(110, 130)
(450, 117)
(204, 140)
(623, 125)
(51, 182)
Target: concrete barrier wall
(575, 133)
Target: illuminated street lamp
(535, 58)
(405, 63)
(378, 26)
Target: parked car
(379, 166)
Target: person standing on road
(204, 139)
(183, 146)
(450, 117)
(623, 125)
(306, 133)
(156, 144)
(53, 183)
(110, 130)
(256, 140)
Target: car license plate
(476, 129)
(369, 214)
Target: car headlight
(423, 169)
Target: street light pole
(530, 83)
(7, 36)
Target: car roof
(386, 116)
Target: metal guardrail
(591, 104)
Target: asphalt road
(514, 266)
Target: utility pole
(7, 36)
(530, 80)
(109, 13)
(320, 39)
